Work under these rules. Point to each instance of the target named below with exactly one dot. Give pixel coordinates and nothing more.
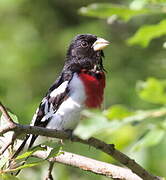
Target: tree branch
(107, 148)
(91, 165)
(5, 114)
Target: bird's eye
(84, 44)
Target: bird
(80, 85)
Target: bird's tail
(21, 147)
(32, 139)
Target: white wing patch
(59, 90)
(54, 93)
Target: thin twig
(51, 166)
(5, 114)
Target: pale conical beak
(100, 44)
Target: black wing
(44, 108)
(56, 101)
(50, 103)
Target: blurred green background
(34, 37)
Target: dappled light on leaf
(94, 122)
(150, 138)
(152, 90)
(105, 10)
(117, 112)
(121, 137)
(146, 33)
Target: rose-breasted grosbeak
(81, 83)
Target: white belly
(68, 114)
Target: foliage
(106, 10)
(30, 152)
(153, 90)
(8, 177)
(145, 33)
(150, 122)
(32, 40)
(148, 32)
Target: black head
(85, 52)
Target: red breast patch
(94, 83)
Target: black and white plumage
(60, 108)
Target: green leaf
(8, 177)
(51, 143)
(94, 122)
(156, 1)
(106, 10)
(117, 112)
(14, 117)
(26, 166)
(146, 33)
(150, 138)
(55, 148)
(30, 152)
(153, 90)
(55, 151)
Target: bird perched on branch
(80, 84)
